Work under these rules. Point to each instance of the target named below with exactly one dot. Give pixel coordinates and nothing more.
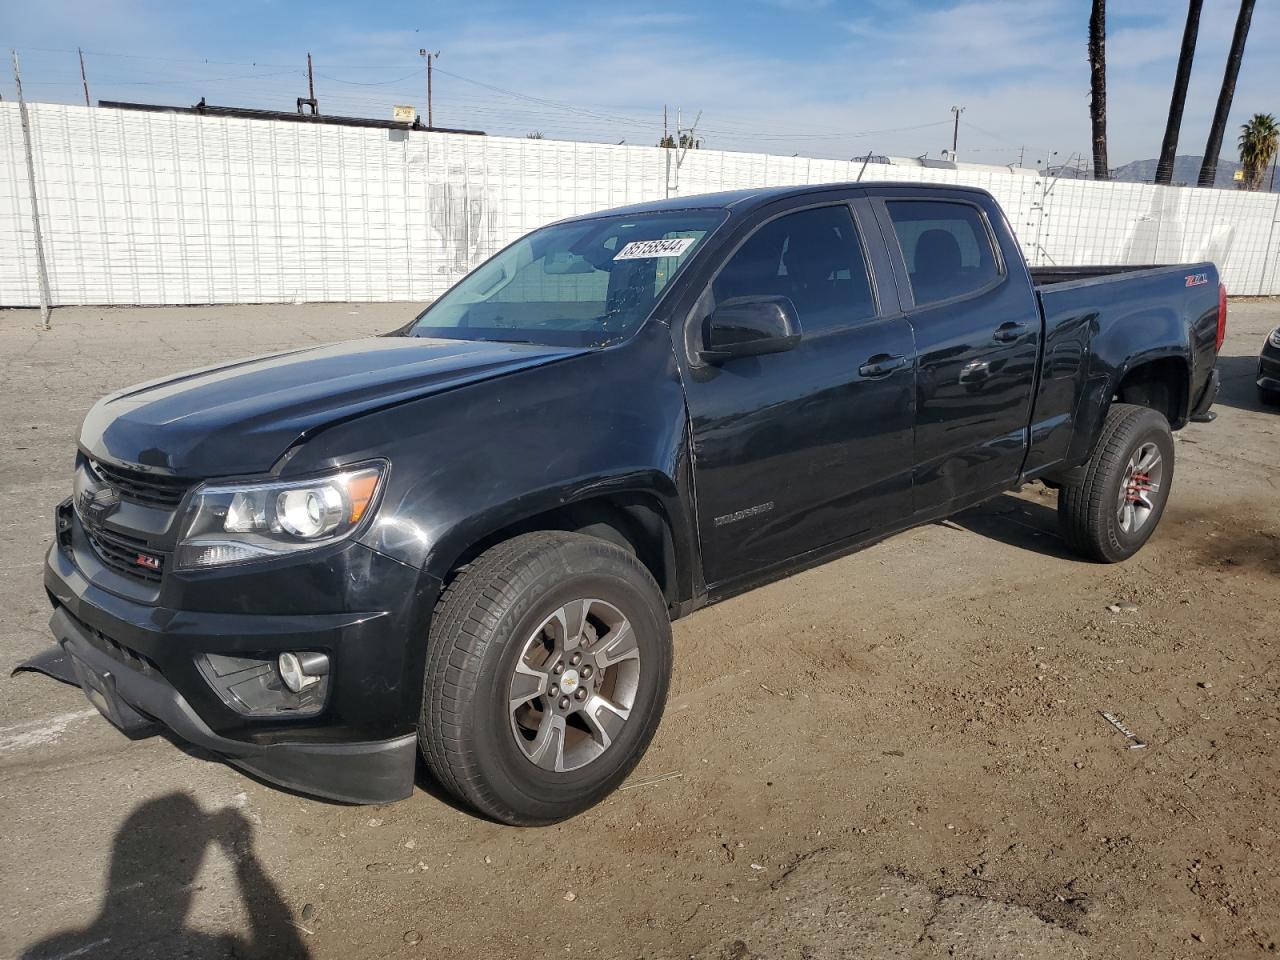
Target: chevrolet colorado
(468, 538)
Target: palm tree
(1258, 141)
(1169, 149)
(1098, 87)
(1209, 168)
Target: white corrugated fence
(168, 208)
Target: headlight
(231, 523)
(1274, 339)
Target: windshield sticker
(646, 249)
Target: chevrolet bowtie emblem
(97, 505)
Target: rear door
(796, 450)
(977, 335)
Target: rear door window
(946, 246)
(811, 256)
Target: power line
(370, 83)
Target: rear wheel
(1269, 397)
(547, 671)
(1112, 510)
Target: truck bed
(1047, 276)
(1098, 322)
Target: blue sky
(815, 77)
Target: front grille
(121, 554)
(152, 490)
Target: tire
(1098, 514)
(508, 609)
(1270, 398)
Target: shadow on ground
(156, 857)
(1019, 523)
(1240, 385)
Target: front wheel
(1110, 512)
(547, 671)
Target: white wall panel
(161, 208)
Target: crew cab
(467, 539)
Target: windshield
(586, 283)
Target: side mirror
(749, 327)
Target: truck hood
(240, 417)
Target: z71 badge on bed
(1195, 279)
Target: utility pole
(42, 269)
(429, 57)
(955, 132)
(666, 153)
(310, 99)
(83, 78)
(683, 145)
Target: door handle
(881, 365)
(1008, 332)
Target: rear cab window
(946, 246)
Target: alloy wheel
(574, 685)
(1140, 488)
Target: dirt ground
(899, 754)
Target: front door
(797, 450)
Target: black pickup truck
(468, 538)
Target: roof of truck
(740, 201)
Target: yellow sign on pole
(403, 114)
(1238, 175)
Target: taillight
(1222, 317)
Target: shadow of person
(155, 861)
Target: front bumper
(137, 662)
(135, 700)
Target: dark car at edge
(467, 539)
(1269, 369)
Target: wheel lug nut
(564, 703)
(582, 693)
(558, 669)
(555, 690)
(576, 659)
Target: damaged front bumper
(147, 665)
(137, 700)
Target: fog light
(302, 670)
